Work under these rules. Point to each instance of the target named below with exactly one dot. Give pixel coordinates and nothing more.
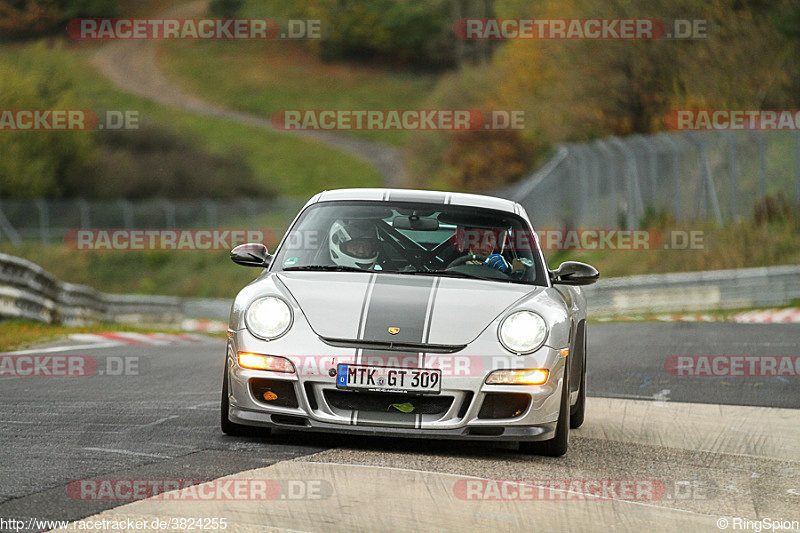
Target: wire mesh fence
(51, 221)
(616, 182)
(607, 183)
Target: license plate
(389, 379)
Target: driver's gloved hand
(499, 262)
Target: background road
(627, 361)
(131, 65)
(163, 424)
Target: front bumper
(466, 407)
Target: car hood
(425, 309)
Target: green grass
(209, 274)
(289, 165)
(742, 245)
(264, 77)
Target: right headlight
(268, 318)
(522, 332)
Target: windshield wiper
(455, 274)
(448, 273)
(326, 268)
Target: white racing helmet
(353, 243)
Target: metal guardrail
(207, 308)
(28, 291)
(695, 291)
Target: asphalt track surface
(163, 424)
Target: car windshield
(413, 239)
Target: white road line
(204, 405)
(127, 452)
(142, 338)
(624, 396)
(159, 421)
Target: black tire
(557, 446)
(232, 428)
(578, 411)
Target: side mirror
(575, 273)
(252, 254)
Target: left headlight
(523, 332)
(268, 318)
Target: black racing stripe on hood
(400, 302)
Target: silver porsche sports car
(409, 313)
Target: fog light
(265, 362)
(269, 396)
(517, 377)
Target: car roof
(411, 195)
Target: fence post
(583, 176)
(611, 179)
(676, 174)
(630, 177)
(250, 207)
(651, 167)
(211, 213)
(169, 213)
(44, 221)
(9, 230)
(734, 177)
(83, 208)
(594, 174)
(572, 174)
(762, 164)
(709, 192)
(127, 214)
(797, 168)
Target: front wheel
(578, 411)
(557, 446)
(232, 428)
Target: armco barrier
(695, 291)
(28, 291)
